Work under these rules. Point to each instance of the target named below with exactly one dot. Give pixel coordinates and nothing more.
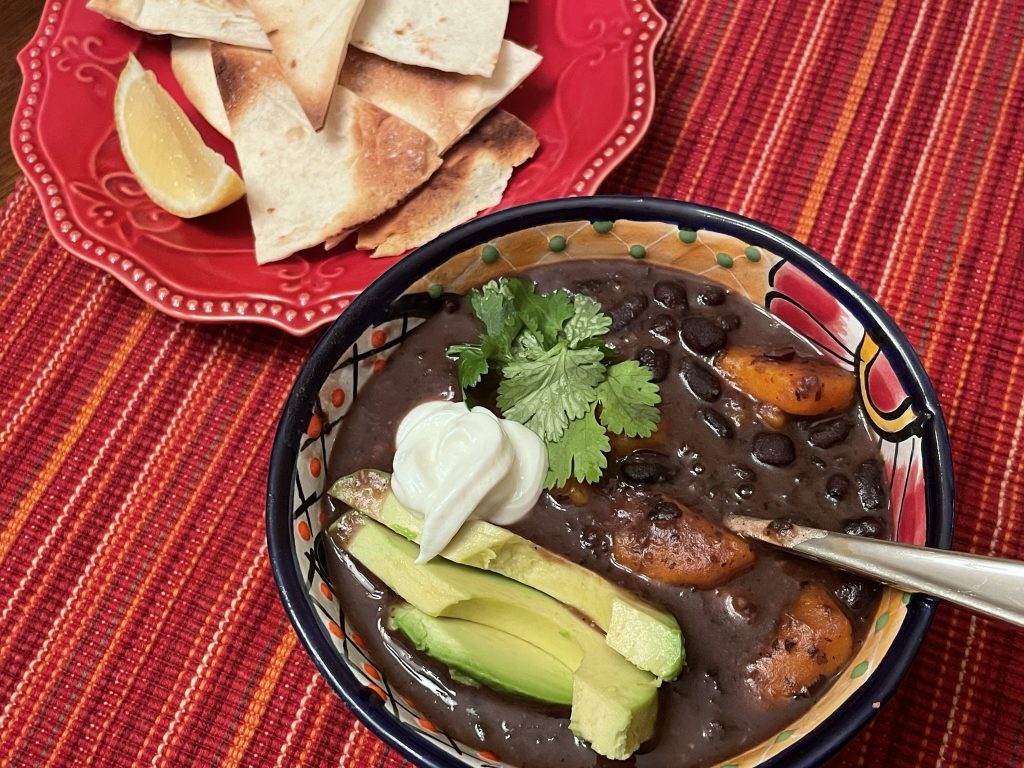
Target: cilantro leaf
(587, 321)
(493, 306)
(579, 453)
(545, 390)
(629, 400)
(527, 344)
(554, 371)
(472, 363)
(544, 314)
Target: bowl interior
(773, 272)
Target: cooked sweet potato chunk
(813, 641)
(675, 545)
(623, 446)
(573, 493)
(801, 386)
(771, 415)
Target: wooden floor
(18, 20)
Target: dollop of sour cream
(454, 463)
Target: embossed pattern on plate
(590, 102)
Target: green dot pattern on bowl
(489, 254)
(783, 736)
(881, 622)
(687, 235)
(724, 260)
(436, 291)
(906, 598)
(752, 253)
(859, 670)
(603, 227)
(637, 251)
(557, 243)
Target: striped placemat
(139, 624)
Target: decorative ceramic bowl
(789, 280)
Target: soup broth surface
(710, 712)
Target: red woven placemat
(139, 624)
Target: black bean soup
(715, 454)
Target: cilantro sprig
(556, 374)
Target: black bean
(671, 294)
(663, 510)
(702, 382)
(774, 448)
(595, 287)
(655, 359)
(743, 472)
(451, 303)
(646, 467)
(628, 311)
(664, 327)
(717, 423)
(870, 489)
(713, 731)
(854, 593)
(871, 527)
(711, 681)
(837, 486)
(745, 491)
(728, 321)
(702, 335)
(712, 295)
(827, 433)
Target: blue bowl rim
(370, 308)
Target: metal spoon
(989, 585)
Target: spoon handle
(989, 585)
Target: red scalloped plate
(590, 102)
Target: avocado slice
(648, 637)
(614, 704)
(486, 655)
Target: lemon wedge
(164, 150)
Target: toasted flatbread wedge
(309, 40)
(228, 21)
(303, 186)
(473, 177)
(461, 36)
(192, 64)
(441, 104)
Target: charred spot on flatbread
(240, 73)
(473, 177)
